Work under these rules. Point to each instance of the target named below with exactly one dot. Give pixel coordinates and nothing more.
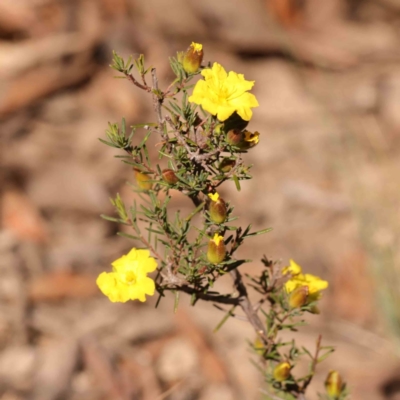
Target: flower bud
(244, 140)
(259, 346)
(315, 310)
(218, 129)
(226, 165)
(169, 176)
(216, 249)
(298, 298)
(334, 384)
(193, 58)
(234, 137)
(281, 371)
(142, 180)
(217, 208)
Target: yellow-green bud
(218, 129)
(169, 176)
(259, 346)
(226, 165)
(334, 384)
(142, 180)
(193, 58)
(298, 298)
(315, 310)
(216, 249)
(217, 208)
(282, 371)
(244, 140)
(234, 137)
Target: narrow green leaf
(176, 302)
(109, 144)
(227, 315)
(155, 231)
(307, 352)
(123, 126)
(110, 218)
(326, 355)
(237, 183)
(152, 124)
(196, 210)
(128, 235)
(261, 232)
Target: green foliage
(194, 148)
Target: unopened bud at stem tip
(334, 384)
(169, 176)
(282, 371)
(142, 180)
(216, 251)
(192, 58)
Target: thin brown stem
(222, 299)
(313, 366)
(157, 104)
(247, 307)
(138, 84)
(149, 246)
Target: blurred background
(326, 173)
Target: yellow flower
(298, 279)
(293, 269)
(129, 280)
(252, 138)
(213, 196)
(244, 140)
(197, 47)
(222, 94)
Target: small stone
(17, 366)
(217, 392)
(178, 360)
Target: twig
(157, 103)
(138, 84)
(222, 299)
(272, 396)
(312, 369)
(149, 246)
(247, 307)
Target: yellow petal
(292, 284)
(142, 254)
(110, 287)
(238, 82)
(199, 92)
(293, 269)
(245, 100)
(245, 113)
(213, 196)
(149, 265)
(148, 286)
(315, 284)
(120, 263)
(224, 113)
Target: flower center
(130, 277)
